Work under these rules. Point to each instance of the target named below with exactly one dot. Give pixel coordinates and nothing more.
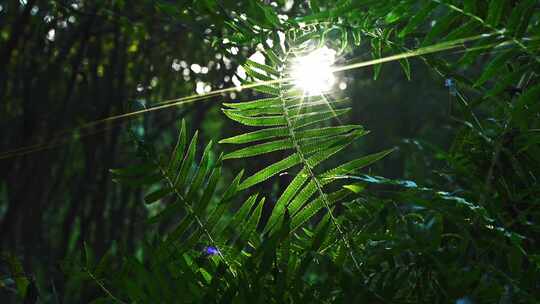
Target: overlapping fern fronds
(187, 188)
(303, 126)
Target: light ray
(440, 47)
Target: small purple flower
(210, 250)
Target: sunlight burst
(313, 72)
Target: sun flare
(313, 72)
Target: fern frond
(302, 126)
(258, 135)
(187, 189)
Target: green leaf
(259, 149)
(254, 218)
(399, 12)
(314, 6)
(376, 53)
(328, 131)
(255, 74)
(294, 186)
(316, 144)
(441, 26)
(494, 67)
(170, 210)
(241, 216)
(179, 230)
(272, 56)
(355, 188)
(418, 18)
(309, 36)
(256, 121)
(270, 171)
(264, 88)
(187, 162)
(179, 148)
(256, 136)
(263, 67)
(233, 188)
(255, 104)
(304, 120)
(208, 191)
(270, 15)
(200, 174)
(157, 195)
(297, 183)
(470, 6)
(406, 67)
(260, 111)
(506, 81)
(315, 206)
(467, 30)
(520, 17)
(527, 107)
(303, 196)
(354, 165)
(357, 37)
(321, 232)
(495, 11)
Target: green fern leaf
(256, 75)
(304, 120)
(264, 89)
(262, 121)
(201, 173)
(178, 152)
(258, 135)
(418, 18)
(494, 67)
(255, 104)
(187, 162)
(259, 149)
(495, 12)
(260, 111)
(241, 216)
(208, 191)
(354, 165)
(252, 222)
(329, 131)
(157, 195)
(294, 186)
(263, 67)
(270, 171)
(315, 206)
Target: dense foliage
(288, 213)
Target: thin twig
(104, 288)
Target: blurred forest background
(64, 64)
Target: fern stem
(318, 184)
(192, 213)
(105, 290)
(312, 175)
